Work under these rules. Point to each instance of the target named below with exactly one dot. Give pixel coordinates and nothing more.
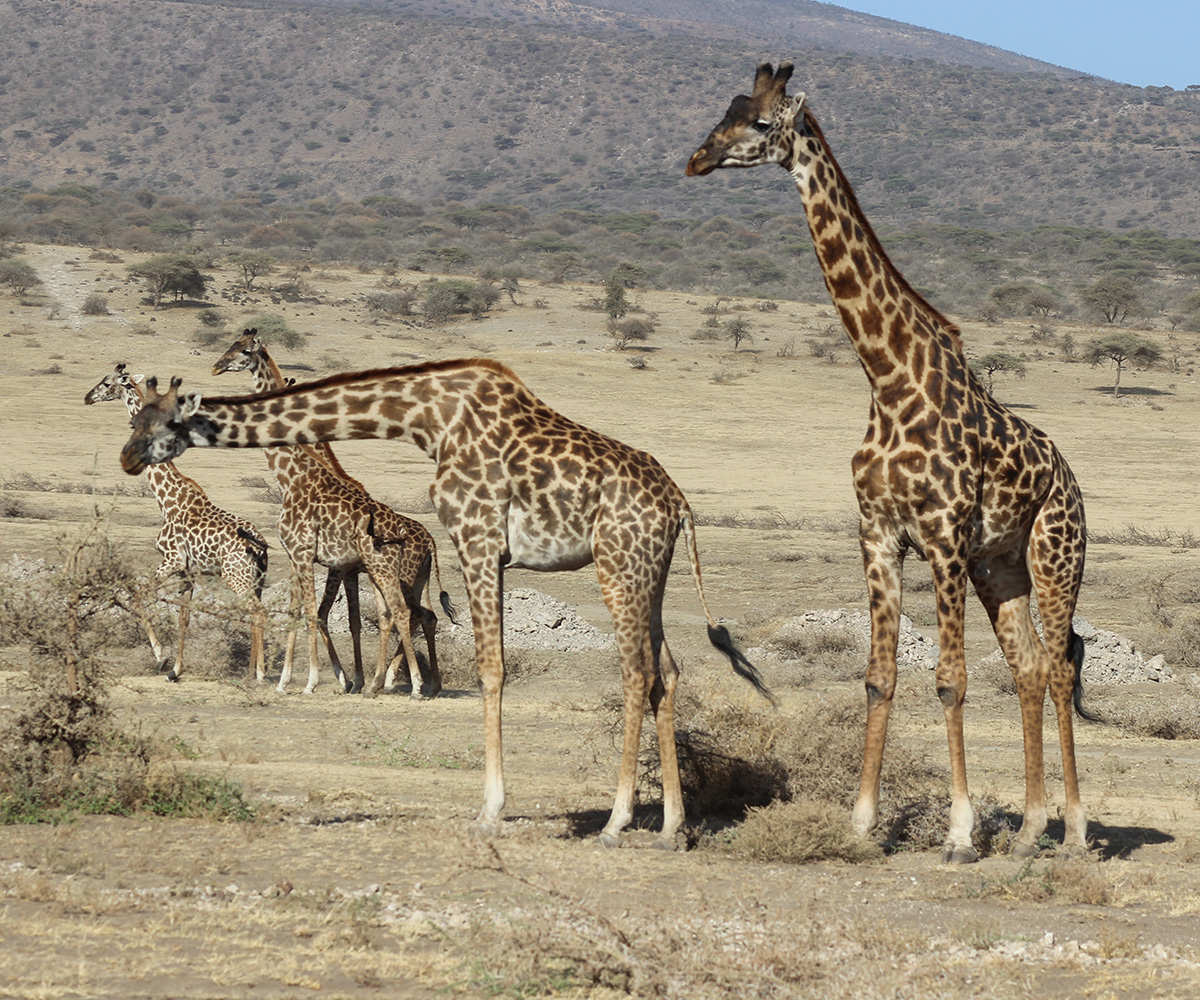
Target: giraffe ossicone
(944, 471)
(518, 485)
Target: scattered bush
(95, 304)
(273, 329)
(393, 303)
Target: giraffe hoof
(960, 855)
(483, 829)
(172, 677)
(1072, 851)
(664, 844)
(1021, 850)
(608, 840)
(417, 695)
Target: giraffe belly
(532, 546)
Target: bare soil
(360, 879)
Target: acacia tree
(737, 329)
(1112, 296)
(998, 361)
(252, 263)
(176, 273)
(1122, 349)
(18, 275)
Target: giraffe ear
(797, 104)
(190, 404)
(137, 379)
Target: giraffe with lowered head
(197, 538)
(330, 518)
(518, 485)
(944, 471)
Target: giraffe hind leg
(1057, 568)
(185, 611)
(1005, 596)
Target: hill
(567, 104)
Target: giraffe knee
(951, 695)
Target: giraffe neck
(268, 378)
(900, 338)
(167, 483)
(417, 404)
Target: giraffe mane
(342, 378)
(811, 125)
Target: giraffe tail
(443, 596)
(719, 635)
(1075, 652)
(256, 547)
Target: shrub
(451, 296)
(798, 832)
(95, 305)
(273, 329)
(397, 303)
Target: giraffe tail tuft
(1075, 652)
(719, 636)
(448, 607)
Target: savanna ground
(357, 877)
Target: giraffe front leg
(382, 667)
(950, 585)
(884, 564)
(258, 639)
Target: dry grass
(799, 832)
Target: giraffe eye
(761, 126)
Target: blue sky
(1143, 42)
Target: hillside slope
(556, 105)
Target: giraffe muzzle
(131, 460)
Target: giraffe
(944, 470)
(197, 538)
(328, 517)
(518, 485)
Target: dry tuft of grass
(799, 832)
(1070, 880)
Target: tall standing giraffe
(197, 538)
(518, 485)
(944, 470)
(330, 518)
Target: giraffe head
(117, 384)
(161, 430)
(756, 129)
(241, 354)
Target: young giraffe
(328, 517)
(518, 485)
(944, 470)
(196, 538)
